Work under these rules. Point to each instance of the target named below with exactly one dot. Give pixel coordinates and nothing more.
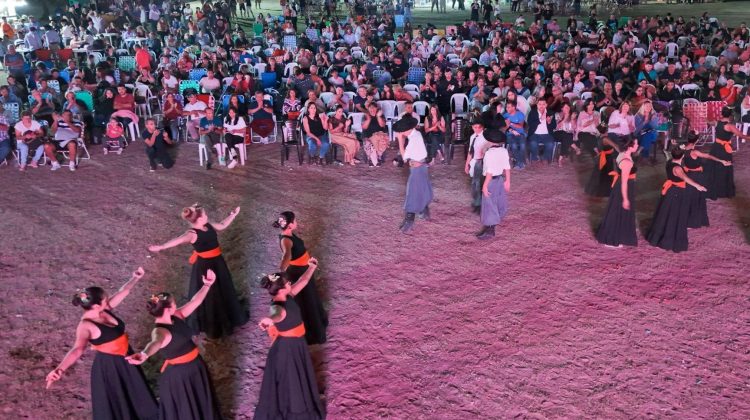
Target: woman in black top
(618, 225)
(316, 134)
(118, 390)
(694, 167)
(185, 390)
(720, 177)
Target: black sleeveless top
(207, 240)
(721, 132)
(182, 339)
(633, 169)
(298, 245)
(293, 316)
(670, 171)
(691, 163)
(316, 125)
(108, 333)
(373, 128)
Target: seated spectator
(42, 106)
(172, 110)
(29, 136)
(434, 129)
(66, 132)
(194, 110)
(339, 130)
(375, 134)
(71, 104)
(234, 134)
(261, 110)
(156, 146)
(4, 138)
(316, 134)
(168, 82)
(292, 106)
(209, 83)
(114, 134)
(211, 128)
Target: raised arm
(160, 337)
(186, 238)
(302, 282)
(124, 291)
(83, 335)
(710, 157)
(185, 310)
(227, 221)
(680, 173)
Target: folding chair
(198, 74)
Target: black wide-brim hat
(405, 124)
(493, 135)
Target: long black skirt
(720, 178)
(618, 226)
(221, 311)
(186, 393)
(311, 308)
(418, 189)
(289, 389)
(696, 202)
(600, 182)
(119, 390)
(669, 227)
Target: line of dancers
(118, 385)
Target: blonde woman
(338, 131)
(646, 123)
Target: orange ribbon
(185, 358)
(298, 331)
(616, 175)
(117, 347)
(698, 169)
(211, 253)
(603, 157)
(727, 145)
(301, 261)
(669, 184)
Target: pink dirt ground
(540, 323)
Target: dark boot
(408, 224)
(425, 215)
(481, 232)
(476, 209)
(489, 233)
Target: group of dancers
(289, 386)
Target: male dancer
(496, 169)
(418, 186)
(473, 167)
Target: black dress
(185, 390)
(221, 311)
(118, 389)
(618, 226)
(696, 200)
(289, 389)
(669, 226)
(311, 308)
(600, 182)
(720, 178)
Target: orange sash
(211, 253)
(616, 175)
(669, 184)
(179, 360)
(298, 331)
(603, 157)
(117, 347)
(698, 169)
(727, 145)
(301, 261)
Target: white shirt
(622, 122)
(542, 127)
(197, 106)
(415, 148)
(21, 128)
(496, 161)
(231, 127)
(479, 144)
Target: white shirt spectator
(197, 106)
(496, 161)
(623, 124)
(415, 149)
(542, 127)
(231, 125)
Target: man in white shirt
(473, 167)
(195, 110)
(209, 83)
(496, 184)
(418, 186)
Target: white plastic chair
(459, 104)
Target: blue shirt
(516, 118)
(215, 121)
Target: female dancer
(698, 213)
(600, 183)
(222, 311)
(185, 390)
(294, 264)
(669, 226)
(338, 130)
(287, 393)
(418, 186)
(118, 390)
(719, 177)
(618, 226)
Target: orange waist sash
(179, 360)
(616, 175)
(669, 184)
(301, 261)
(117, 347)
(211, 253)
(603, 157)
(727, 145)
(298, 331)
(698, 169)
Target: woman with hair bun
(294, 264)
(222, 311)
(185, 390)
(118, 389)
(287, 392)
(618, 225)
(720, 177)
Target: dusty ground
(540, 323)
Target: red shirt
(143, 59)
(125, 101)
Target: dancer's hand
(138, 274)
(466, 168)
(265, 323)
(154, 248)
(137, 358)
(312, 263)
(486, 192)
(701, 188)
(726, 163)
(235, 212)
(209, 278)
(507, 185)
(54, 376)
(626, 204)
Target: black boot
(408, 224)
(481, 232)
(488, 233)
(476, 209)
(425, 215)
